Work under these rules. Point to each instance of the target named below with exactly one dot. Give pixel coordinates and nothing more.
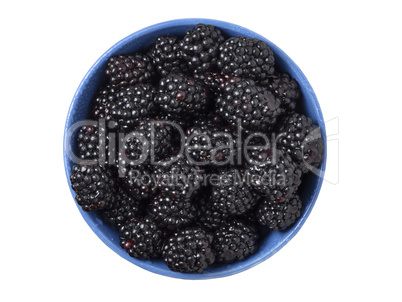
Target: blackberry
(188, 250)
(93, 144)
(279, 216)
(130, 105)
(210, 145)
(200, 47)
(94, 187)
(230, 196)
(177, 175)
(247, 58)
(298, 137)
(150, 139)
(138, 182)
(284, 87)
(178, 126)
(130, 69)
(105, 98)
(259, 146)
(125, 208)
(181, 95)
(170, 211)
(166, 56)
(255, 106)
(141, 238)
(88, 142)
(276, 175)
(234, 241)
(210, 218)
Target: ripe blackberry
(138, 181)
(93, 144)
(210, 145)
(298, 137)
(232, 200)
(188, 250)
(234, 241)
(200, 47)
(181, 95)
(177, 175)
(94, 187)
(178, 125)
(130, 105)
(255, 106)
(105, 98)
(279, 216)
(230, 196)
(141, 238)
(166, 56)
(247, 58)
(130, 69)
(170, 211)
(209, 218)
(125, 208)
(151, 139)
(88, 142)
(284, 87)
(259, 145)
(276, 175)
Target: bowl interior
(144, 39)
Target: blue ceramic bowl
(143, 39)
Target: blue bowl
(143, 39)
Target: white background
(348, 250)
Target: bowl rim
(303, 82)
